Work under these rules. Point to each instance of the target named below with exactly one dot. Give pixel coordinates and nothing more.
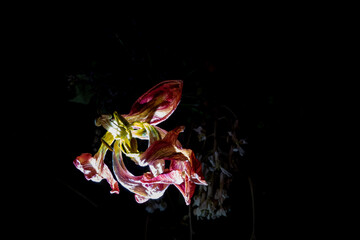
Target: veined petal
(196, 173)
(142, 186)
(145, 131)
(182, 161)
(157, 104)
(169, 177)
(165, 149)
(103, 120)
(88, 165)
(187, 189)
(94, 168)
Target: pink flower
(153, 107)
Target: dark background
(256, 64)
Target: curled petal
(165, 149)
(193, 175)
(157, 167)
(157, 104)
(170, 177)
(161, 131)
(170, 149)
(143, 186)
(145, 131)
(140, 199)
(92, 171)
(94, 168)
(196, 173)
(103, 120)
(182, 161)
(187, 189)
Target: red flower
(153, 107)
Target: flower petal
(165, 149)
(169, 177)
(182, 161)
(94, 168)
(143, 187)
(90, 167)
(196, 170)
(157, 104)
(187, 189)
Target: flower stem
(146, 226)
(190, 223)
(253, 209)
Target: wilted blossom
(152, 108)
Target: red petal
(193, 175)
(170, 177)
(140, 199)
(157, 104)
(95, 170)
(187, 189)
(196, 170)
(182, 161)
(165, 149)
(143, 187)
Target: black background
(256, 64)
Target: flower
(153, 107)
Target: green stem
(253, 209)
